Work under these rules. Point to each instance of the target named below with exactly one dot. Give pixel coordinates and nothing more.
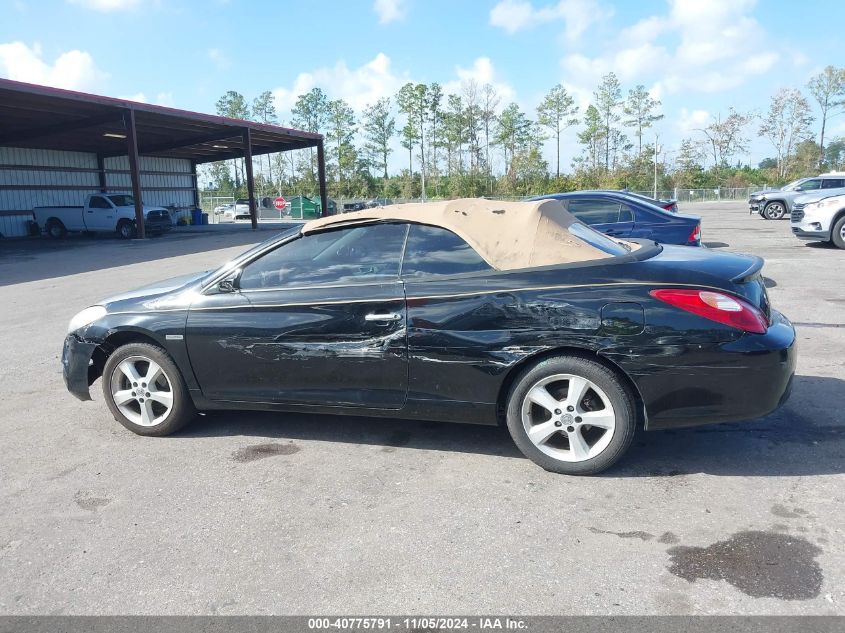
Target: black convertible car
(468, 311)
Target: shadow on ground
(805, 437)
(36, 258)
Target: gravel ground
(295, 514)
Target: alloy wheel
(775, 211)
(142, 391)
(568, 417)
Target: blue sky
(699, 57)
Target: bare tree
(726, 137)
(786, 124)
(828, 89)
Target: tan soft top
(508, 235)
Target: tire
(142, 410)
(556, 425)
(837, 233)
(55, 229)
(775, 211)
(126, 229)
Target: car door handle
(384, 316)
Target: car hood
(156, 289)
(763, 192)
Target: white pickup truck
(102, 213)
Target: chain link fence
(212, 202)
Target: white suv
(815, 217)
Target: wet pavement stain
(643, 536)
(261, 451)
(92, 504)
(669, 538)
(784, 512)
(760, 564)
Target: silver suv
(776, 204)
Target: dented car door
(320, 321)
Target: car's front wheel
(775, 210)
(837, 233)
(571, 415)
(145, 391)
(126, 229)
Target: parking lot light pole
(250, 181)
(134, 172)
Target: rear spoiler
(749, 273)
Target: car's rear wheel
(775, 210)
(145, 391)
(55, 229)
(571, 415)
(126, 229)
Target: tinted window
(122, 200)
(360, 254)
(98, 202)
(595, 210)
(435, 251)
(810, 185)
(833, 183)
(625, 214)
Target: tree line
(470, 143)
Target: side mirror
(227, 284)
(799, 188)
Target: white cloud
(482, 72)
(689, 121)
(107, 5)
(74, 70)
(162, 98)
(696, 47)
(359, 86)
(578, 15)
(220, 59)
(390, 10)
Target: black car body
(625, 216)
(450, 343)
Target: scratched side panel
(462, 341)
(308, 346)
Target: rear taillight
(715, 306)
(695, 236)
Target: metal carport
(40, 117)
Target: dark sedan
(627, 216)
(569, 338)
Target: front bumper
(741, 380)
(806, 231)
(157, 227)
(78, 370)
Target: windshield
(278, 237)
(597, 240)
(793, 184)
(122, 200)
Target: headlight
(86, 317)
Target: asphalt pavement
(248, 513)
